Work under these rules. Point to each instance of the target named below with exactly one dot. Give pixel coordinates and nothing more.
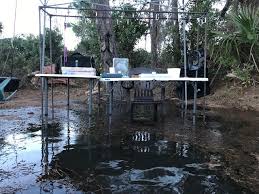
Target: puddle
(77, 154)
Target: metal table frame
(46, 77)
(161, 79)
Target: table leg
(42, 97)
(185, 95)
(194, 102)
(52, 99)
(163, 99)
(68, 92)
(90, 97)
(46, 96)
(110, 97)
(99, 93)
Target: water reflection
(113, 155)
(138, 161)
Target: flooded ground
(72, 153)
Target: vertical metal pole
(185, 61)
(110, 97)
(51, 62)
(99, 93)
(68, 92)
(198, 36)
(41, 67)
(112, 94)
(195, 99)
(43, 49)
(90, 97)
(46, 96)
(43, 42)
(205, 66)
(50, 39)
(163, 99)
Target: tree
(154, 32)
(127, 33)
(106, 35)
(57, 44)
(20, 56)
(170, 55)
(236, 4)
(176, 34)
(238, 46)
(1, 27)
(103, 29)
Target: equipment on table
(195, 68)
(111, 75)
(78, 64)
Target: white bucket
(174, 72)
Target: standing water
(77, 154)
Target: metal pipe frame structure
(159, 15)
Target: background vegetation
(233, 33)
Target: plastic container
(174, 72)
(88, 71)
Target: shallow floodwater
(73, 153)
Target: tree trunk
(226, 8)
(106, 35)
(154, 33)
(176, 34)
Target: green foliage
(127, 33)
(238, 46)
(140, 58)
(87, 31)
(57, 45)
(167, 56)
(20, 56)
(19, 59)
(170, 54)
(244, 73)
(89, 44)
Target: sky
(27, 21)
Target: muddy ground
(235, 140)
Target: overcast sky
(27, 19)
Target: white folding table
(68, 77)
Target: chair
(8, 85)
(143, 92)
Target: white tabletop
(67, 76)
(156, 79)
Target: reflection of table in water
(68, 77)
(155, 77)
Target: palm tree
(238, 3)
(241, 42)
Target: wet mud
(75, 153)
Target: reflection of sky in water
(141, 136)
(171, 164)
(182, 149)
